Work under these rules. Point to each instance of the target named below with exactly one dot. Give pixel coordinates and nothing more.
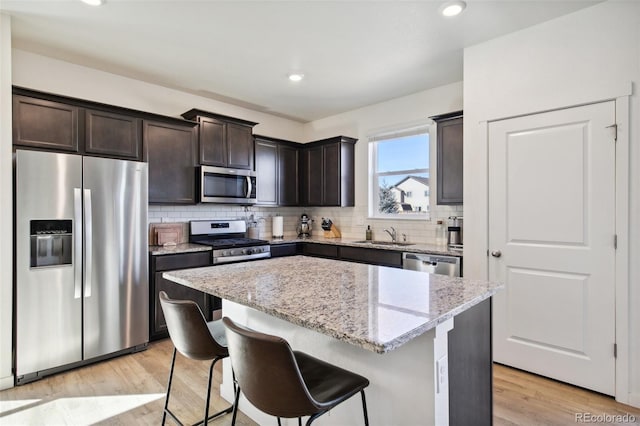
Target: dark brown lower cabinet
(470, 367)
(285, 249)
(160, 264)
(371, 256)
(320, 250)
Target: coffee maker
(304, 227)
(454, 232)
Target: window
(399, 174)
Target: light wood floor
(130, 390)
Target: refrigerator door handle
(77, 237)
(88, 231)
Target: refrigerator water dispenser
(51, 243)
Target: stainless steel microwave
(226, 186)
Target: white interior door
(551, 236)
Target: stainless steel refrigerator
(81, 255)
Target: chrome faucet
(392, 233)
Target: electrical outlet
(442, 372)
(359, 220)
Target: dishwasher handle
(435, 264)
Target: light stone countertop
(441, 249)
(374, 307)
(178, 249)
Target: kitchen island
(387, 324)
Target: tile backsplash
(351, 221)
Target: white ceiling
(353, 53)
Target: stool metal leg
(208, 417)
(166, 400)
(235, 405)
(364, 409)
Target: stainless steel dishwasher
(434, 264)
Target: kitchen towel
(277, 227)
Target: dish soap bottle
(368, 234)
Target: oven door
(229, 186)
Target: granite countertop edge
(437, 249)
(331, 331)
(178, 249)
(427, 248)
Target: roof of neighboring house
(420, 179)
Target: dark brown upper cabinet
(114, 135)
(288, 189)
(63, 124)
(171, 154)
(327, 172)
(277, 171)
(224, 141)
(449, 169)
(266, 172)
(45, 124)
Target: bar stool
(195, 338)
(286, 383)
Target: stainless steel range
(228, 239)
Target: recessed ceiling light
(93, 2)
(453, 8)
(296, 77)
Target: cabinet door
(239, 146)
(287, 175)
(171, 156)
(371, 256)
(449, 167)
(45, 124)
(313, 171)
(285, 249)
(113, 135)
(174, 291)
(213, 148)
(266, 172)
(320, 250)
(332, 179)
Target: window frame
(418, 128)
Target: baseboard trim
(7, 382)
(634, 400)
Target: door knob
(496, 253)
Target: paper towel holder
(277, 228)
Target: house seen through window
(399, 174)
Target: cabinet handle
(496, 253)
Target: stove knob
(250, 251)
(225, 253)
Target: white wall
(590, 55)
(42, 73)
(360, 123)
(6, 201)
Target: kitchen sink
(384, 243)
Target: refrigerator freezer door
(116, 295)
(48, 302)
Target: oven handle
(227, 259)
(249, 186)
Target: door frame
(622, 291)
